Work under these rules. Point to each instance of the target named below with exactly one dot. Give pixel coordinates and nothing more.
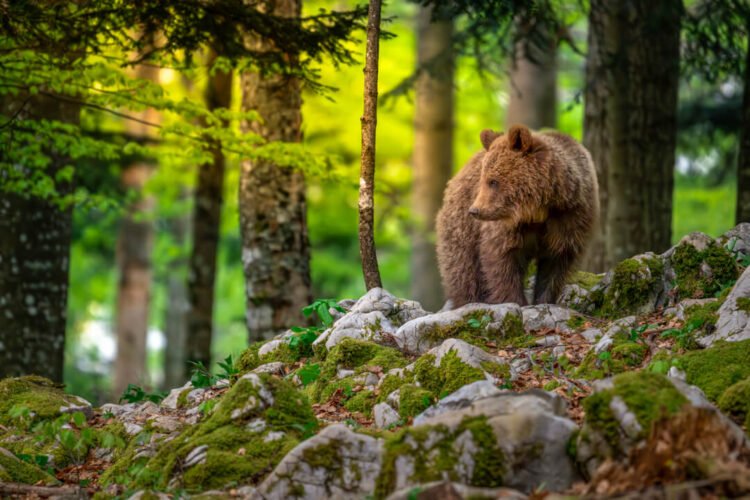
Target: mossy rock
(251, 359)
(624, 355)
(413, 400)
(735, 401)
(433, 453)
(649, 396)
(585, 280)
(475, 328)
(42, 397)
(692, 280)
(717, 368)
(634, 287)
(15, 470)
(451, 374)
(255, 424)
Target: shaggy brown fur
(526, 196)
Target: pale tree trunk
(209, 198)
(595, 133)
(533, 81)
(34, 260)
(367, 159)
(133, 255)
(433, 151)
(273, 226)
(644, 41)
(743, 164)
(175, 321)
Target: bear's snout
(473, 211)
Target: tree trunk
(206, 228)
(533, 82)
(273, 226)
(367, 160)
(34, 261)
(642, 47)
(743, 164)
(178, 304)
(133, 255)
(433, 151)
(595, 133)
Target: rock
(733, 322)
(148, 495)
(132, 429)
(78, 404)
(398, 311)
(737, 240)
(460, 399)
(271, 346)
(384, 415)
(515, 439)
(172, 399)
(167, 424)
(370, 326)
(496, 321)
(336, 463)
(679, 310)
(548, 341)
(470, 355)
(635, 286)
(446, 490)
(591, 334)
(551, 316)
(274, 368)
(622, 325)
(576, 297)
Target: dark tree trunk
(638, 44)
(533, 81)
(367, 160)
(595, 133)
(433, 151)
(34, 262)
(743, 164)
(275, 245)
(206, 227)
(133, 255)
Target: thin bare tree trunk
(367, 168)
(133, 254)
(641, 116)
(743, 164)
(273, 225)
(206, 228)
(433, 151)
(34, 259)
(533, 81)
(595, 133)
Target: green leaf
(79, 419)
(309, 373)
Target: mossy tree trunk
(35, 257)
(433, 150)
(369, 121)
(275, 245)
(205, 238)
(533, 79)
(743, 164)
(641, 48)
(133, 256)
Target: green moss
(435, 456)
(393, 382)
(413, 400)
(717, 368)
(691, 283)
(623, 355)
(182, 399)
(585, 279)
(650, 396)
(743, 304)
(449, 376)
(633, 283)
(551, 385)
(497, 370)
(249, 359)
(15, 470)
(361, 402)
(512, 327)
(42, 397)
(736, 401)
(576, 322)
(237, 454)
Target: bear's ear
(519, 138)
(488, 136)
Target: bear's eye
(493, 184)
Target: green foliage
(201, 377)
(718, 367)
(322, 308)
(309, 373)
(136, 394)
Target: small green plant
(309, 373)
(201, 378)
(228, 369)
(136, 394)
(322, 307)
(477, 323)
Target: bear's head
(513, 183)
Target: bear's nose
(473, 211)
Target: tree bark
(34, 260)
(433, 151)
(743, 160)
(595, 133)
(273, 226)
(367, 160)
(133, 256)
(533, 81)
(631, 119)
(206, 228)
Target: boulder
(542, 316)
(371, 326)
(733, 322)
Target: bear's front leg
(551, 275)
(503, 278)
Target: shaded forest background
(148, 200)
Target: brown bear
(527, 196)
